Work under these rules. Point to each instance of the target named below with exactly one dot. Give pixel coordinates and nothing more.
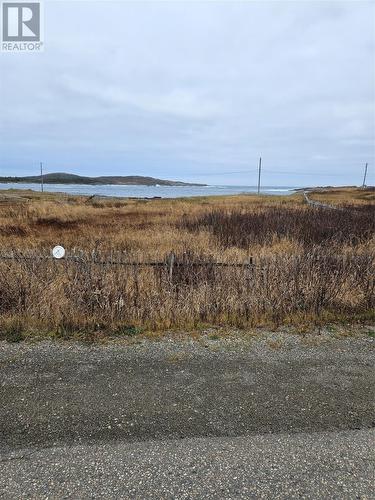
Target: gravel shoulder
(55, 394)
(265, 416)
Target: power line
(227, 173)
(306, 173)
(276, 172)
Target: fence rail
(170, 261)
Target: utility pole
(364, 177)
(41, 177)
(259, 171)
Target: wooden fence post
(170, 262)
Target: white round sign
(58, 252)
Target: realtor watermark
(22, 26)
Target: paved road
(322, 465)
(267, 417)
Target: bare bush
(307, 226)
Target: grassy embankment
(311, 265)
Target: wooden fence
(319, 204)
(170, 261)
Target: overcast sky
(195, 91)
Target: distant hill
(63, 178)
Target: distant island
(118, 180)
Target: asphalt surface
(324, 465)
(278, 416)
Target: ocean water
(149, 191)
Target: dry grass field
(309, 265)
(342, 196)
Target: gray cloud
(195, 90)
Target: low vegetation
(294, 264)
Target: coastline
(145, 192)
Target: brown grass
(311, 265)
(343, 196)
